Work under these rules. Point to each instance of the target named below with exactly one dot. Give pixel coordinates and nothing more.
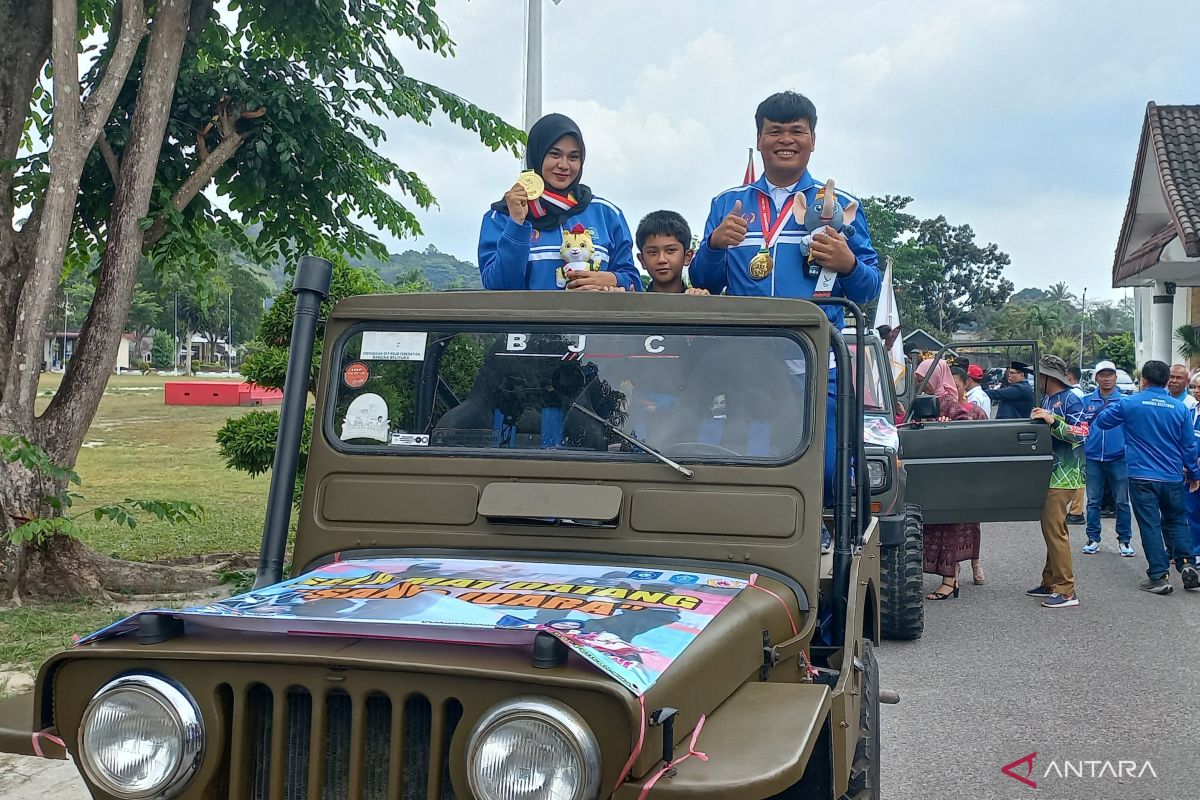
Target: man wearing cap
(1104, 464)
(1016, 397)
(1161, 452)
(1061, 410)
(975, 392)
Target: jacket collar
(1116, 394)
(806, 182)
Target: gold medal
(534, 186)
(761, 265)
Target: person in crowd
(754, 245)
(521, 237)
(1161, 451)
(1075, 510)
(1062, 411)
(949, 544)
(975, 392)
(1177, 386)
(664, 241)
(1104, 464)
(1016, 396)
(1193, 498)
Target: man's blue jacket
(1016, 400)
(729, 270)
(1102, 445)
(513, 256)
(1159, 441)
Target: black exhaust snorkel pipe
(850, 413)
(311, 288)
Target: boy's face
(664, 258)
(786, 146)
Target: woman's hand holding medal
(529, 186)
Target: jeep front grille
(372, 747)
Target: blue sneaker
(1092, 546)
(1127, 549)
(1057, 600)
(826, 541)
(1040, 591)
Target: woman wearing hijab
(948, 544)
(521, 237)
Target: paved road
(998, 677)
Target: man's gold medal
(761, 265)
(534, 186)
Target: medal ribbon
(538, 210)
(771, 232)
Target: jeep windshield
(874, 394)
(700, 395)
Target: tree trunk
(69, 414)
(24, 48)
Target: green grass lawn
(140, 448)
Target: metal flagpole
(229, 336)
(175, 358)
(533, 62)
(1082, 324)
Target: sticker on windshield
(356, 375)
(411, 439)
(366, 418)
(393, 345)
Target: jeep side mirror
(925, 407)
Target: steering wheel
(699, 449)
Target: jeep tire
(865, 773)
(902, 581)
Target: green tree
(162, 352)
(1044, 320)
(943, 279)
(1187, 338)
(971, 277)
(270, 104)
(1118, 349)
(914, 268)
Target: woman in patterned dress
(948, 544)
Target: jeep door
(977, 470)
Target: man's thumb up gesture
(731, 231)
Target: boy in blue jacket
(521, 236)
(746, 220)
(1160, 449)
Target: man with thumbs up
(753, 240)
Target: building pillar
(1161, 313)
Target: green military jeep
(925, 471)
(551, 545)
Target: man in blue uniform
(754, 244)
(1016, 395)
(1160, 449)
(1105, 465)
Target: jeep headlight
(877, 473)
(141, 736)
(533, 748)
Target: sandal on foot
(979, 577)
(942, 595)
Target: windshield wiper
(682, 470)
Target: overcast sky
(1020, 118)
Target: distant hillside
(442, 270)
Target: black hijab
(542, 136)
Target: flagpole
(533, 62)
